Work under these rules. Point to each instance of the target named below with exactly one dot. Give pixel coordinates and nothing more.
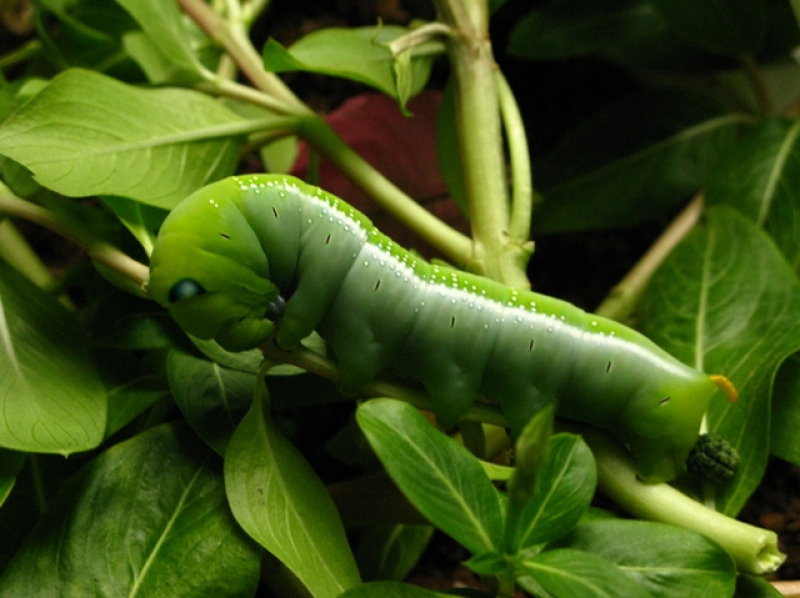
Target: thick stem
(233, 38)
(480, 138)
(754, 550)
(100, 251)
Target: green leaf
(212, 398)
(530, 453)
(10, 464)
(760, 177)
(572, 573)
(132, 387)
(122, 321)
(51, 395)
(390, 589)
(148, 517)
(359, 54)
(87, 34)
(279, 500)
(750, 586)
(633, 160)
(578, 27)
(564, 488)
(86, 134)
(667, 560)
(440, 478)
(165, 49)
(733, 27)
(726, 302)
(140, 219)
(391, 551)
(786, 411)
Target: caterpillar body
(257, 256)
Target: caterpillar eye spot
(225, 236)
(665, 400)
(275, 309)
(185, 289)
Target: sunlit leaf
(51, 396)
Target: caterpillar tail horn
(726, 386)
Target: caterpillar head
(209, 270)
(663, 422)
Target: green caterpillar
(254, 257)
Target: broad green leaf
(390, 589)
(751, 586)
(530, 453)
(86, 134)
(121, 321)
(140, 219)
(279, 501)
(390, 551)
(726, 302)
(669, 561)
(564, 488)
(568, 573)
(132, 387)
(359, 54)
(633, 160)
(733, 27)
(786, 411)
(440, 478)
(51, 395)
(576, 27)
(87, 34)
(10, 464)
(630, 32)
(212, 398)
(147, 517)
(165, 51)
(760, 177)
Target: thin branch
(522, 193)
(622, 300)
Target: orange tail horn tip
(726, 386)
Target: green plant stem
(16, 251)
(480, 138)
(452, 244)
(623, 298)
(100, 251)
(273, 95)
(754, 550)
(318, 365)
(21, 54)
(234, 39)
(523, 197)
